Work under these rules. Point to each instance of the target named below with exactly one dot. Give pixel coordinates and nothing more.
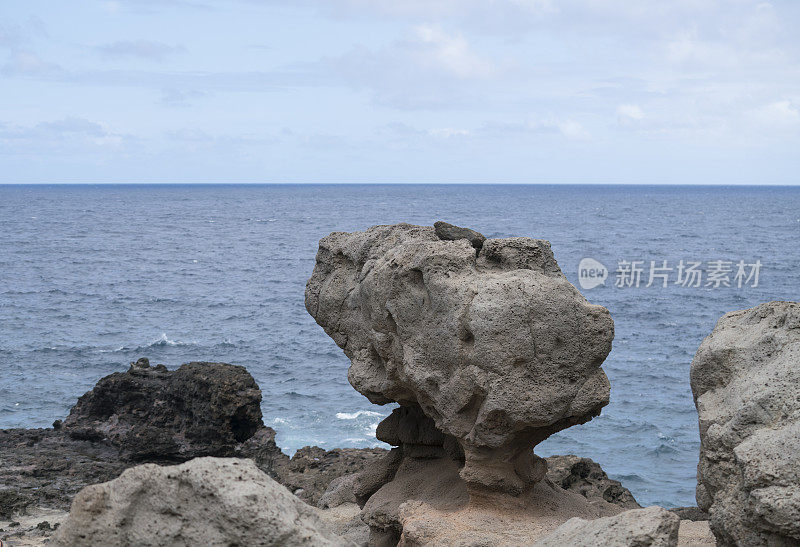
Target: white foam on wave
(163, 340)
(354, 415)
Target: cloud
(27, 63)
(629, 112)
(427, 68)
(61, 136)
(143, 49)
(74, 125)
(448, 132)
(450, 52)
(177, 97)
(573, 130)
(778, 113)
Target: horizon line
(648, 184)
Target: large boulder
(207, 501)
(484, 343)
(650, 527)
(746, 385)
(200, 409)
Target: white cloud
(630, 112)
(450, 52)
(779, 113)
(27, 63)
(573, 130)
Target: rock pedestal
(484, 343)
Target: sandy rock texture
(574, 487)
(483, 342)
(495, 519)
(206, 501)
(200, 409)
(745, 379)
(652, 526)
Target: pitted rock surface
(200, 409)
(497, 348)
(746, 385)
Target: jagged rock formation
(745, 380)
(493, 345)
(201, 409)
(650, 527)
(207, 501)
(585, 477)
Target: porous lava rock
(649, 527)
(200, 409)
(745, 379)
(585, 477)
(206, 501)
(488, 351)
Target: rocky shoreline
(488, 350)
(43, 469)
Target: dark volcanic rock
(449, 232)
(44, 467)
(587, 478)
(311, 470)
(690, 513)
(201, 409)
(13, 502)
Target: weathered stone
(448, 232)
(499, 350)
(201, 409)
(653, 526)
(745, 380)
(207, 501)
(493, 518)
(695, 514)
(587, 478)
(345, 520)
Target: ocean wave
(354, 415)
(162, 341)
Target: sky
(447, 91)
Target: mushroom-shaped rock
(495, 347)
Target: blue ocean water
(93, 277)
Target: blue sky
(538, 91)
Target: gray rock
(448, 232)
(498, 350)
(745, 380)
(653, 526)
(207, 501)
(345, 520)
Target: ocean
(93, 277)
